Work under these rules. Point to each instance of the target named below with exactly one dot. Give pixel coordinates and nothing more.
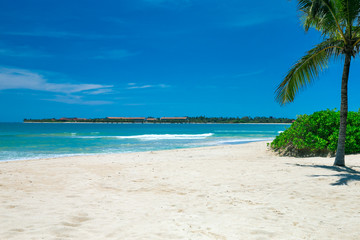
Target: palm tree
(338, 21)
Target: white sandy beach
(225, 192)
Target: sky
(140, 58)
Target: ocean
(46, 140)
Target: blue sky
(88, 58)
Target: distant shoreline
(149, 123)
(167, 120)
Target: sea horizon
(26, 141)
(140, 123)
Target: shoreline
(148, 123)
(99, 155)
(119, 153)
(219, 192)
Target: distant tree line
(53, 120)
(246, 119)
(199, 119)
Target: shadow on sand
(345, 174)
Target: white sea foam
(235, 141)
(14, 156)
(150, 137)
(243, 131)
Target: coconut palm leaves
(335, 19)
(339, 23)
(322, 16)
(307, 69)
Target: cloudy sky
(90, 58)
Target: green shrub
(317, 135)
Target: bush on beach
(317, 135)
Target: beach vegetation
(317, 135)
(338, 21)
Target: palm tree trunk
(340, 152)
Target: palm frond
(356, 40)
(348, 10)
(356, 45)
(322, 15)
(307, 69)
(356, 31)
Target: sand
(224, 192)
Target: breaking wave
(152, 137)
(149, 137)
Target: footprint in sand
(67, 224)
(80, 218)
(17, 230)
(11, 206)
(77, 220)
(262, 232)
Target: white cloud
(163, 86)
(140, 87)
(135, 86)
(74, 99)
(24, 79)
(100, 91)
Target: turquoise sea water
(43, 140)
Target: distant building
(126, 119)
(152, 119)
(114, 118)
(174, 119)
